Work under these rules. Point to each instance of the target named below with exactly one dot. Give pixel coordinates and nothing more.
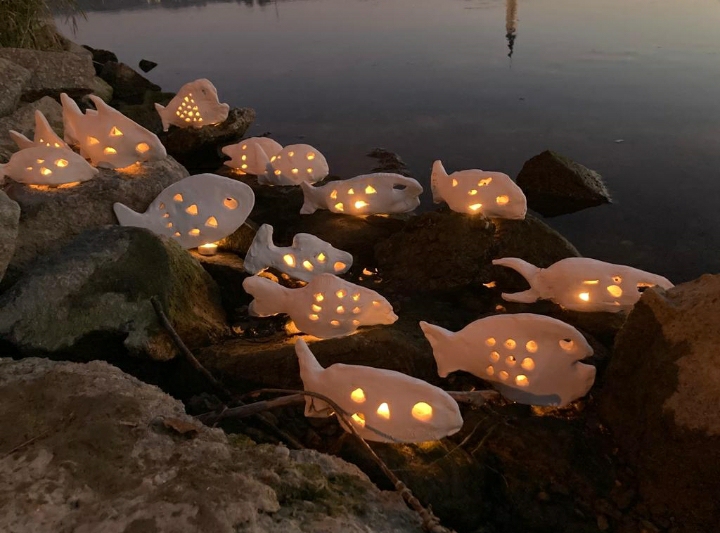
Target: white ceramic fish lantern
(308, 257)
(195, 105)
(534, 359)
(364, 195)
(44, 135)
(194, 211)
(107, 137)
(401, 408)
(582, 284)
(44, 165)
(295, 164)
(492, 194)
(246, 158)
(326, 307)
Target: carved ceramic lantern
(326, 307)
(364, 195)
(399, 407)
(194, 211)
(532, 358)
(195, 105)
(246, 158)
(492, 194)
(582, 284)
(43, 165)
(44, 135)
(307, 258)
(107, 137)
(294, 165)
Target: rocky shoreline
(86, 447)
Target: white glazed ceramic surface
(43, 165)
(245, 157)
(44, 135)
(295, 164)
(195, 105)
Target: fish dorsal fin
(20, 139)
(102, 108)
(44, 131)
(438, 173)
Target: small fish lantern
(326, 307)
(307, 258)
(107, 137)
(492, 194)
(246, 158)
(44, 135)
(582, 284)
(295, 164)
(364, 195)
(43, 165)
(399, 407)
(194, 211)
(195, 105)
(533, 359)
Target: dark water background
(434, 79)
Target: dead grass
(29, 23)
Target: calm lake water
(479, 84)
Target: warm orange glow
(314, 317)
(494, 357)
(454, 182)
(510, 360)
(340, 310)
(194, 232)
(294, 171)
(310, 156)
(92, 140)
(370, 190)
(339, 206)
(356, 296)
(351, 191)
(291, 154)
(319, 297)
(208, 249)
(528, 363)
(178, 197)
(333, 195)
(356, 323)
(422, 411)
(490, 370)
(503, 375)
(566, 344)
(211, 222)
(591, 282)
(359, 419)
(114, 132)
(484, 182)
(45, 171)
(192, 210)
(358, 395)
(68, 185)
(510, 344)
(615, 291)
(617, 279)
(109, 150)
(289, 260)
(360, 204)
(334, 323)
(338, 266)
(130, 169)
(316, 308)
(521, 381)
(475, 207)
(502, 200)
(321, 257)
(308, 266)
(342, 293)
(61, 163)
(230, 203)
(584, 296)
(356, 311)
(384, 411)
(531, 346)
(490, 341)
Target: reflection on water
(627, 87)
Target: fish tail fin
(71, 113)
(20, 139)
(439, 339)
(270, 298)
(310, 204)
(263, 240)
(310, 371)
(526, 270)
(128, 217)
(438, 173)
(161, 110)
(262, 161)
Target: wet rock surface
(23, 121)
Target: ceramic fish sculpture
(44, 135)
(43, 165)
(492, 194)
(307, 258)
(582, 284)
(533, 359)
(194, 211)
(295, 164)
(326, 307)
(107, 137)
(383, 405)
(195, 105)
(364, 195)
(246, 158)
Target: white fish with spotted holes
(307, 257)
(401, 408)
(44, 135)
(491, 194)
(194, 211)
(44, 165)
(251, 156)
(583, 284)
(195, 105)
(326, 307)
(369, 194)
(293, 165)
(108, 138)
(533, 359)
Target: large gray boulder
(128, 85)
(23, 121)
(51, 218)
(52, 73)
(13, 79)
(9, 218)
(661, 398)
(86, 448)
(96, 291)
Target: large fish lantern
(295, 164)
(44, 135)
(195, 105)
(492, 194)
(308, 257)
(582, 284)
(194, 211)
(43, 165)
(364, 195)
(532, 358)
(107, 137)
(326, 307)
(401, 408)
(251, 156)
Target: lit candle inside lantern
(208, 249)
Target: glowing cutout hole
(310, 156)
(566, 344)
(319, 297)
(289, 260)
(340, 309)
(192, 210)
(339, 206)
(114, 132)
(584, 296)
(316, 308)
(422, 411)
(334, 323)
(230, 203)
(494, 357)
(531, 346)
(521, 380)
(342, 293)
(92, 140)
(490, 370)
(510, 344)
(308, 266)
(333, 195)
(503, 375)
(490, 341)
(359, 419)
(454, 183)
(475, 207)
(109, 151)
(360, 204)
(178, 197)
(358, 395)
(615, 291)
(321, 257)
(61, 163)
(591, 282)
(528, 364)
(384, 411)
(510, 360)
(211, 222)
(642, 287)
(617, 279)
(45, 171)
(502, 200)
(370, 190)
(338, 266)
(314, 317)
(356, 311)
(484, 182)
(194, 232)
